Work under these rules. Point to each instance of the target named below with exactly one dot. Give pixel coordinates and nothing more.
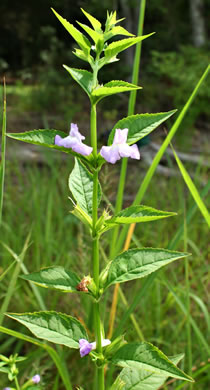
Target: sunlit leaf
(56, 278)
(81, 186)
(81, 40)
(82, 77)
(137, 263)
(55, 327)
(111, 88)
(140, 125)
(116, 47)
(148, 357)
(136, 214)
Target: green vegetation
(54, 232)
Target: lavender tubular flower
(119, 148)
(86, 347)
(36, 379)
(74, 141)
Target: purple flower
(7, 388)
(119, 148)
(36, 379)
(86, 347)
(74, 141)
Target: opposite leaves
(146, 356)
(137, 263)
(81, 186)
(55, 327)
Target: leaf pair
(65, 330)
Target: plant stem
(96, 269)
(3, 151)
(17, 384)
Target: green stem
(17, 384)
(96, 268)
(3, 151)
(187, 283)
(131, 109)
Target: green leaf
(81, 186)
(46, 137)
(81, 40)
(56, 278)
(116, 47)
(93, 34)
(118, 30)
(137, 263)
(55, 327)
(114, 86)
(82, 77)
(148, 357)
(140, 125)
(143, 379)
(95, 23)
(135, 214)
(81, 55)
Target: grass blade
(194, 192)
(54, 355)
(3, 151)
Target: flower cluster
(112, 153)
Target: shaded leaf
(81, 55)
(138, 263)
(82, 77)
(140, 125)
(56, 278)
(116, 47)
(148, 357)
(55, 327)
(81, 186)
(135, 214)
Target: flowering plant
(139, 358)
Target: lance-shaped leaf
(55, 327)
(140, 125)
(95, 23)
(56, 278)
(81, 55)
(45, 137)
(93, 34)
(143, 379)
(118, 30)
(116, 47)
(136, 214)
(81, 40)
(81, 186)
(137, 263)
(148, 357)
(82, 77)
(114, 86)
